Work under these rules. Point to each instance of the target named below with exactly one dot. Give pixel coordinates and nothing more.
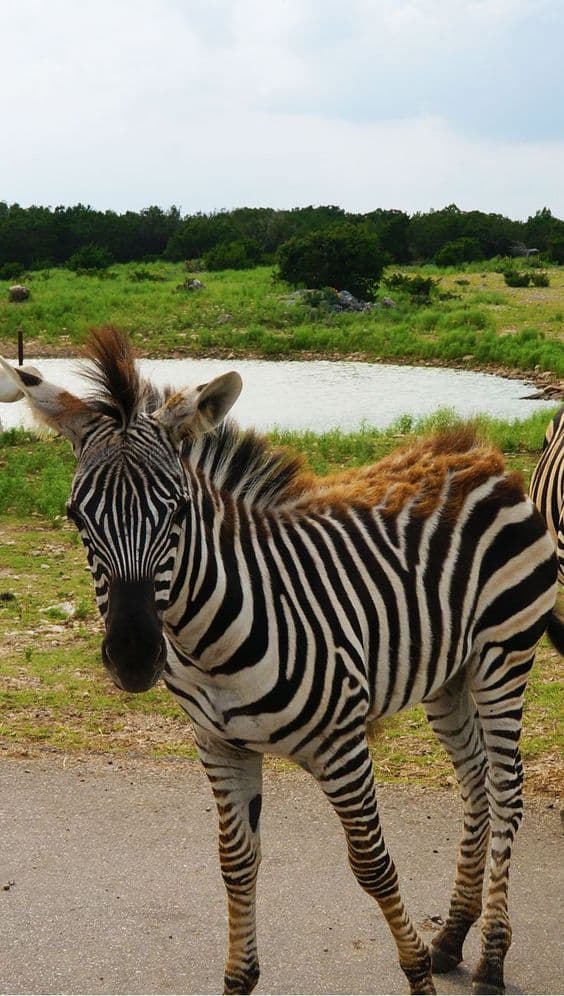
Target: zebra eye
(181, 509)
(74, 515)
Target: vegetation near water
(469, 317)
(54, 692)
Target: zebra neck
(213, 591)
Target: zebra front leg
(500, 707)
(235, 775)
(348, 782)
(453, 716)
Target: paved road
(117, 887)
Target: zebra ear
(54, 406)
(198, 410)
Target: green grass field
(54, 692)
(479, 322)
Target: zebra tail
(555, 631)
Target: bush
(419, 288)
(540, 279)
(90, 257)
(345, 256)
(516, 278)
(240, 255)
(141, 273)
(463, 250)
(11, 271)
(555, 246)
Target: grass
(54, 691)
(481, 322)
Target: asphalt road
(110, 884)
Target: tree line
(40, 237)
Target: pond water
(320, 395)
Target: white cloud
(210, 104)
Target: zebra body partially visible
(353, 594)
(547, 485)
(296, 610)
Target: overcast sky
(211, 104)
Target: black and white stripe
(547, 485)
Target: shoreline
(548, 386)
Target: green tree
(346, 257)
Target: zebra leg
(453, 716)
(235, 775)
(347, 780)
(500, 708)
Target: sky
(211, 104)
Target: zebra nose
(133, 651)
(132, 668)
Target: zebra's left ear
(60, 410)
(200, 409)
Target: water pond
(321, 395)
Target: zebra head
(129, 496)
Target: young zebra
(285, 612)
(547, 485)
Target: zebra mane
(120, 391)
(245, 464)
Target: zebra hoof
(446, 950)
(241, 983)
(443, 961)
(488, 978)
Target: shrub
(536, 262)
(11, 271)
(240, 255)
(540, 279)
(419, 288)
(346, 257)
(89, 257)
(555, 246)
(141, 273)
(516, 278)
(463, 250)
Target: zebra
(286, 612)
(547, 485)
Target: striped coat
(547, 485)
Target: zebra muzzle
(133, 649)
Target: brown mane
(417, 473)
(245, 464)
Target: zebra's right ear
(54, 406)
(198, 410)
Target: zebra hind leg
(236, 779)
(498, 687)
(347, 780)
(453, 716)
